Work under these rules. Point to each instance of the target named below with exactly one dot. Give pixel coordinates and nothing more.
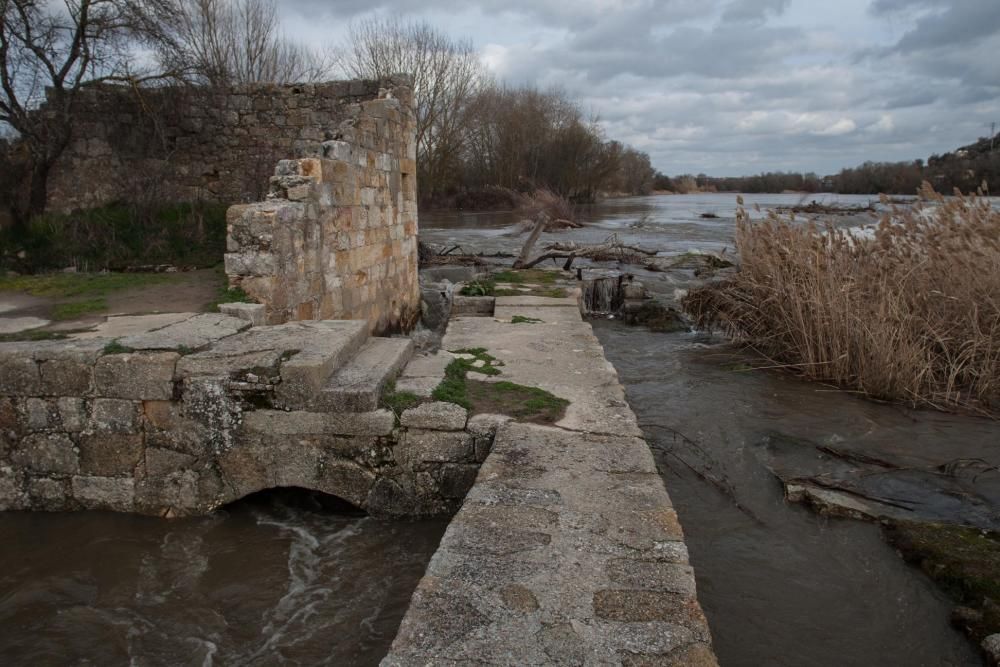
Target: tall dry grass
(912, 314)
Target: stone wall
(337, 236)
(206, 411)
(189, 144)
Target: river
(286, 579)
(779, 584)
(280, 578)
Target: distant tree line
(475, 134)
(965, 169)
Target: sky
(732, 87)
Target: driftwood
(608, 251)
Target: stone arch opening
(297, 498)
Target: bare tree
(51, 51)
(447, 74)
(222, 42)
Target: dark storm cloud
(730, 86)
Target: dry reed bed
(912, 314)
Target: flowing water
(276, 579)
(780, 585)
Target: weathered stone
(420, 447)
(111, 493)
(163, 462)
(143, 376)
(436, 416)
(110, 454)
(167, 428)
(72, 377)
(456, 479)
(483, 429)
(47, 453)
(115, 415)
(48, 494)
(72, 414)
(19, 374)
(12, 497)
(377, 423)
(40, 414)
(190, 334)
(254, 313)
(991, 646)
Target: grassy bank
(912, 314)
(119, 236)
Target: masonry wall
(337, 236)
(189, 143)
(174, 433)
(334, 232)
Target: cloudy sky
(729, 87)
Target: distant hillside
(965, 168)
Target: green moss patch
(549, 292)
(33, 335)
(521, 319)
(398, 401)
(528, 404)
(227, 294)
(963, 561)
(67, 285)
(518, 401)
(74, 309)
(478, 288)
(114, 347)
(526, 276)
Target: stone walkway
(567, 549)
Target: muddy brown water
(274, 579)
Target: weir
(563, 548)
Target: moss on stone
(518, 401)
(521, 319)
(963, 561)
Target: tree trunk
(38, 195)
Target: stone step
(357, 385)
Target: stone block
(162, 462)
(47, 453)
(484, 429)
(110, 493)
(166, 427)
(436, 416)
(254, 313)
(280, 422)
(71, 377)
(72, 414)
(110, 454)
(114, 415)
(19, 374)
(12, 496)
(457, 479)
(47, 494)
(143, 376)
(420, 447)
(40, 414)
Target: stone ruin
(186, 416)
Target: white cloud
(727, 86)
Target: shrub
(120, 236)
(910, 314)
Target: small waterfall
(603, 296)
